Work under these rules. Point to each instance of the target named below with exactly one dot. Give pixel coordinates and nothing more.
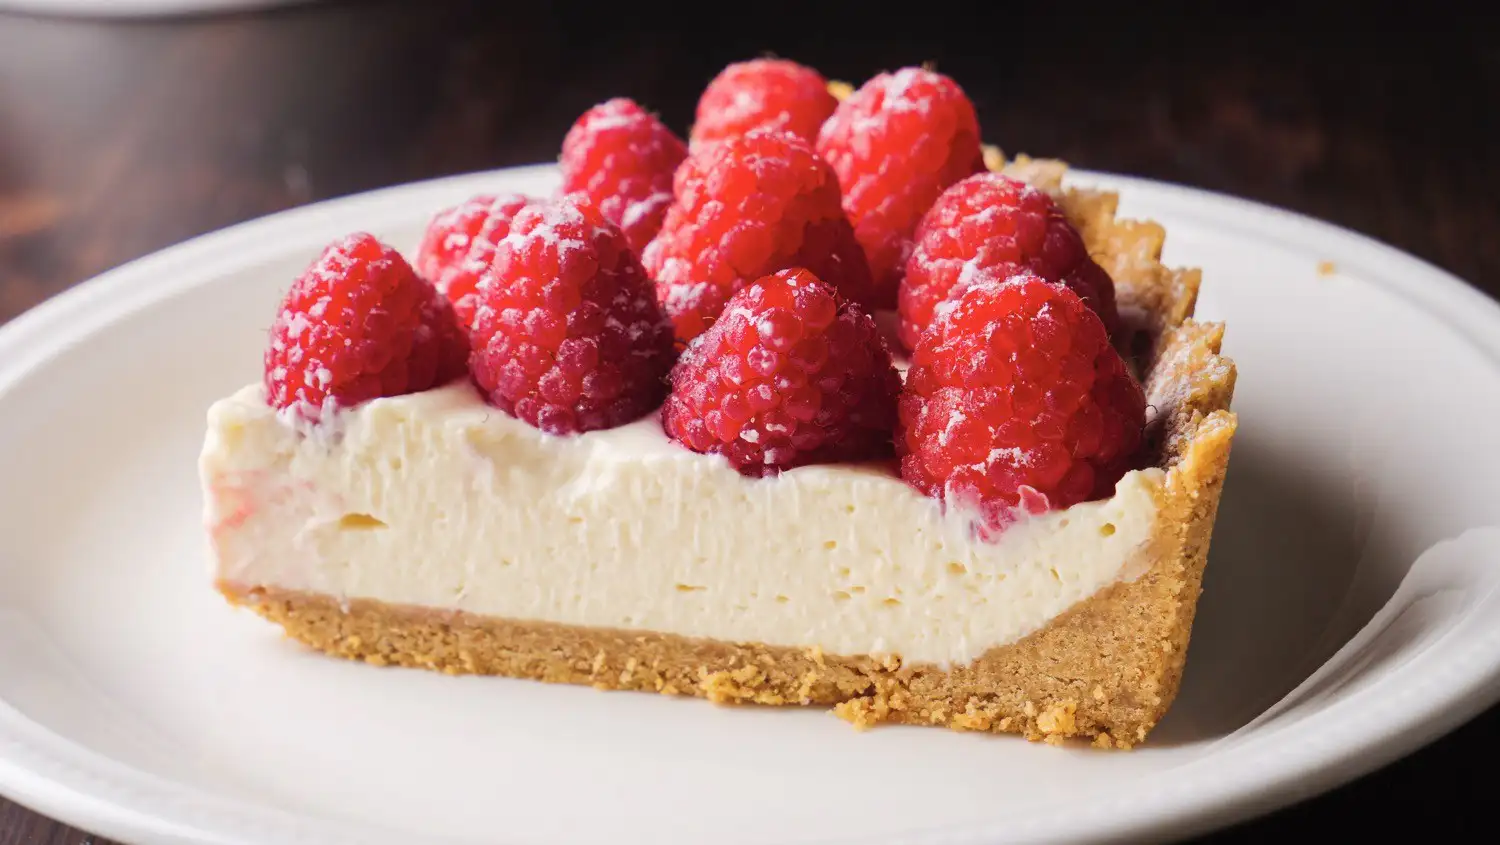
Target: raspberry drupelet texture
(791, 374)
(1016, 402)
(568, 335)
(745, 208)
(623, 158)
(459, 244)
(896, 144)
(440, 347)
(763, 94)
(346, 329)
(990, 227)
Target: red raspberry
(345, 330)
(1015, 400)
(896, 143)
(459, 244)
(791, 374)
(991, 227)
(440, 348)
(569, 336)
(763, 94)
(744, 208)
(623, 158)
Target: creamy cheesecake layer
(437, 500)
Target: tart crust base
(1106, 669)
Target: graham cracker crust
(1106, 669)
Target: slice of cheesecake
(432, 530)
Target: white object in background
(138, 8)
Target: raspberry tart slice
(1006, 532)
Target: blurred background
(130, 125)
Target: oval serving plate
(1349, 614)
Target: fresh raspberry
(896, 143)
(569, 336)
(623, 158)
(345, 330)
(745, 208)
(790, 374)
(1016, 402)
(459, 244)
(440, 348)
(763, 94)
(991, 227)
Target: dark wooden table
(117, 139)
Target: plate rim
(91, 790)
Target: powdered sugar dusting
(1185, 370)
(970, 274)
(989, 215)
(550, 219)
(747, 102)
(609, 120)
(972, 277)
(460, 244)
(642, 210)
(685, 297)
(900, 91)
(297, 324)
(899, 94)
(456, 240)
(317, 377)
(322, 421)
(956, 418)
(623, 158)
(740, 312)
(1012, 456)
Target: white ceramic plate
(1355, 535)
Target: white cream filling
(437, 500)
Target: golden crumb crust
(1107, 669)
